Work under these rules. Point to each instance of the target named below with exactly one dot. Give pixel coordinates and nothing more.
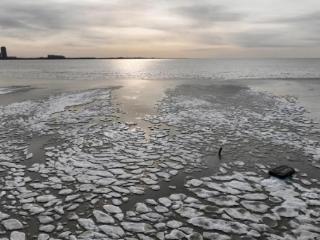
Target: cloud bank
(161, 28)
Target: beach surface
(129, 149)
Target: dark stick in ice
(220, 151)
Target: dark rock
(282, 171)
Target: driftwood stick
(220, 151)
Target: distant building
(4, 54)
(56, 57)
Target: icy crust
(270, 209)
(91, 160)
(241, 113)
(38, 116)
(93, 164)
(6, 90)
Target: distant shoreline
(85, 58)
(137, 58)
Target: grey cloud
(30, 17)
(296, 31)
(7, 23)
(208, 13)
(258, 39)
(308, 25)
(301, 23)
(270, 39)
(308, 18)
(101, 23)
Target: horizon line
(150, 58)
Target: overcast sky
(161, 28)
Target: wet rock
(282, 171)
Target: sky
(161, 28)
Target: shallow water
(298, 77)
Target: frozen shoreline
(92, 165)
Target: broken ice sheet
(96, 165)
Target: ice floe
(94, 177)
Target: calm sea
(298, 77)
(14, 72)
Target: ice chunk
(288, 212)
(219, 224)
(136, 227)
(244, 186)
(188, 212)
(225, 200)
(255, 206)
(142, 208)
(112, 231)
(215, 236)
(148, 181)
(45, 219)
(43, 236)
(103, 217)
(47, 228)
(12, 224)
(175, 234)
(17, 236)
(165, 201)
(174, 224)
(3, 216)
(45, 198)
(112, 209)
(222, 188)
(254, 196)
(241, 214)
(194, 182)
(87, 223)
